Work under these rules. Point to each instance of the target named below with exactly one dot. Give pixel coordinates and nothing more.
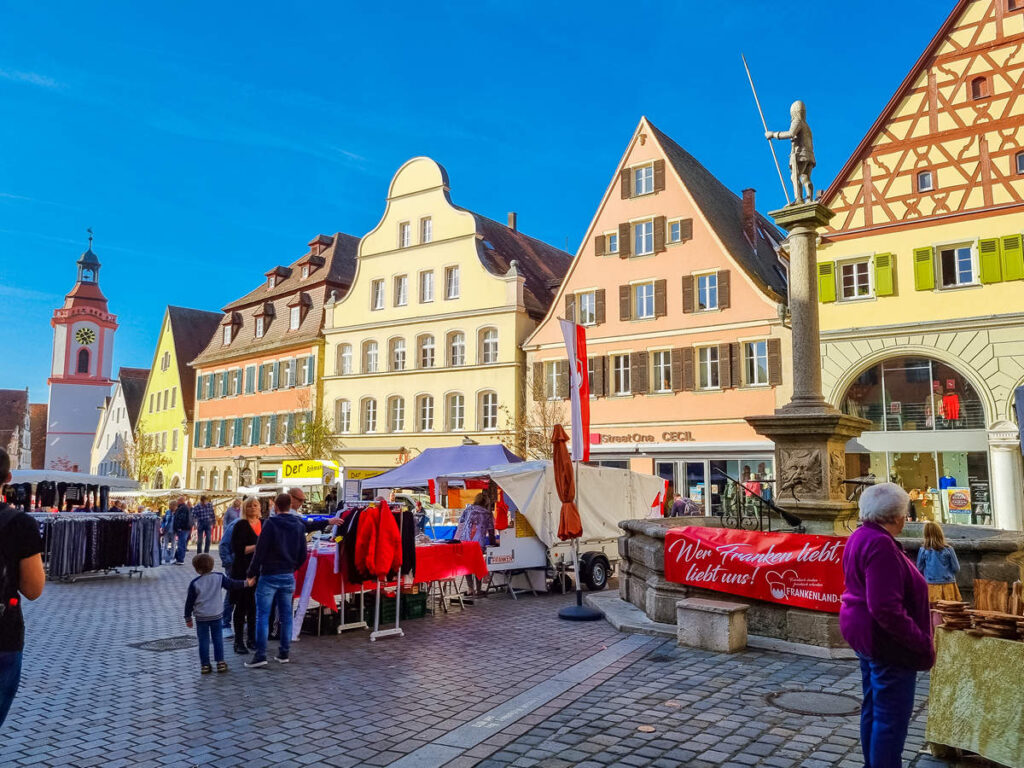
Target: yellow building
(424, 349)
(165, 418)
(921, 275)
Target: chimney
(750, 216)
(512, 220)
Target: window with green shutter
(1013, 258)
(885, 274)
(238, 432)
(990, 260)
(272, 435)
(196, 439)
(256, 431)
(208, 441)
(827, 282)
(924, 269)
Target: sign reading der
(790, 568)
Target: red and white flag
(579, 388)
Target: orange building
(260, 376)
(680, 284)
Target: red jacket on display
(378, 542)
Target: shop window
(914, 394)
(956, 266)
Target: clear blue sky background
(207, 142)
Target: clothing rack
(81, 544)
(397, 630)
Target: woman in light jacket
(884, 617)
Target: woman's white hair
(883, 503)
(250, 500)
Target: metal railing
(746, 509)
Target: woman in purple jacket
(884, 617)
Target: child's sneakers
(282, 657)
(255, 662)
(205, 669)
(222, 666)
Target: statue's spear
(761, 112)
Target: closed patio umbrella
(569, 524)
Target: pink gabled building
(682, 287)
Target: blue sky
(207, 142)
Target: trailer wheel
(594, 571)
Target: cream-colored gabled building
(424, 349)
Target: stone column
(1006, 478)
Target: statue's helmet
(798, 108)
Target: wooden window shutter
(689, 372)
(563, 381)
(685, 230)
(570, 307)
(660, 298)
(599, 245)
(774, 362)
(688, 291)
(659, 175)
(724, 287)
(638, 378)
(826, 282)
(599, 306)
(625, 312)
(600, 376)
(990, 260)
(724, 366)
(1013, 258)
(538, 381)
(677, 369)
(659, 234)
(885, 274)
(625, 240)
(735, 352)
(924, 269)
(626, 183)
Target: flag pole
(771, 146)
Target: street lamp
(240, 463)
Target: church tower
(83, 347)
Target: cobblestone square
(503, 683)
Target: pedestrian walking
(244, 535)
(204, 517)
(182, 526)
(21, 575)
(280, 551)
(937, 562)
(233, 512)
(884, 617)
(204, 599)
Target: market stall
(55, 489)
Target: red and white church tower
(83, 348)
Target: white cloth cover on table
(307, 589)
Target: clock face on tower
(85, 336)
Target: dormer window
(262, 318)
(294, 318)
(261, 327)
(305, 271)
(227, 334)
(271, 282)
(297, 309)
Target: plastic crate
(414, 606)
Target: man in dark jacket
(21, 575)
(280, 552)
(182, 529)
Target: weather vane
(89, 230)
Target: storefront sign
(790, 568)
(599, 438)
(363, 474)
(325, 471)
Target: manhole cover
(814, 702)
(167, 643)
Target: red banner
(789, 568)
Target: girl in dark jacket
(243, 544)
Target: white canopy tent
(35, 476)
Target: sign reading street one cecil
(790, 568)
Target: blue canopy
(437, 462)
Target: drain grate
(814, 703)
(167, 643)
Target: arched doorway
(928, 434)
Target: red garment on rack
(500, 513)
(951, 406)
(378, 542)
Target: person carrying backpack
(21, 575)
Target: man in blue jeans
(182, 529)
(21, 575)
(204, 518)
(280, 551)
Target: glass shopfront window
(914, 394)
(709, 481)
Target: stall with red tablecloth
(434, 562)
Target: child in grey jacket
(206, 600)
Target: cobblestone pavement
(504, 683)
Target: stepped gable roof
(13, 405)
(37, 414)
(723, 210)
(543, 266)
(334, 260)
(191, 330)
(133, 387)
